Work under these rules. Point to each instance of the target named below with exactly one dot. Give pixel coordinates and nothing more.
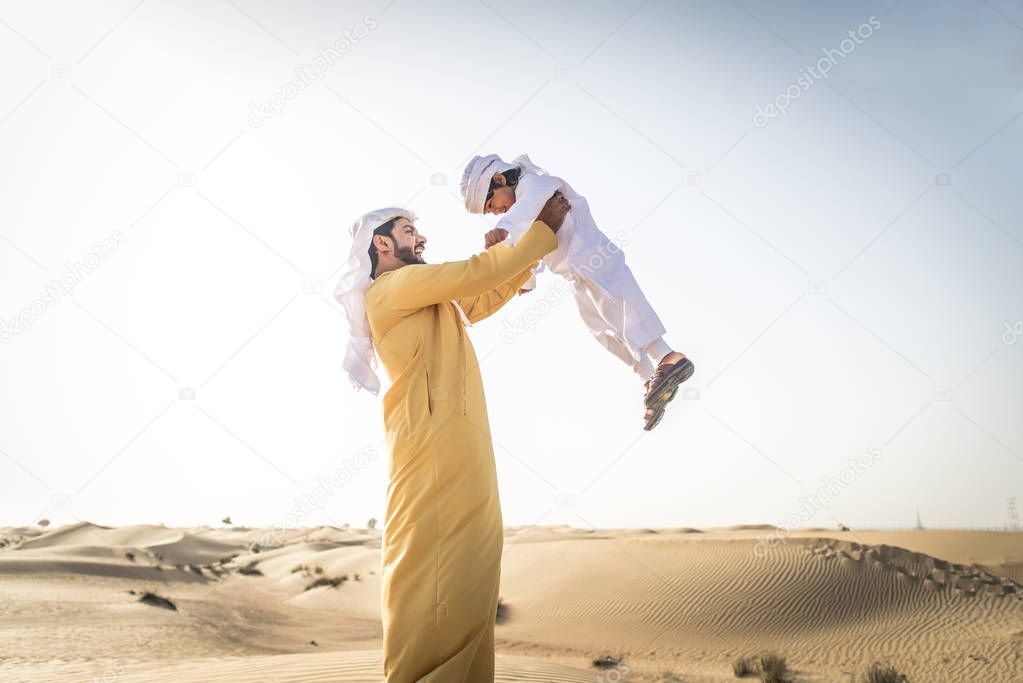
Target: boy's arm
(533, 192)
(412, 287)
(485, 305)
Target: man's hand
(495, 236)
(554, 211)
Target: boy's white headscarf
(479, 172)
(360, 358)
(476, 180)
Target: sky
(821, 202)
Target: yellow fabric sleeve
(413, 287)
(485, 305)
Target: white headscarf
(476, 180)
(360, 358)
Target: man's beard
(408, 256)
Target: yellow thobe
(443, 533)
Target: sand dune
(671, 604)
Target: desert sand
(667, 604)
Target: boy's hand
(495, 236)
(554, 211)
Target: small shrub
(250, 570)
(155, 600)
(326, 581)
(502, 612)
(882, 673)
(744, 666)
(309, 571)
(607, 662)
(772, 668)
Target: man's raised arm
(477, 308)
(415, 286)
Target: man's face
(409, 244)
(501, 198)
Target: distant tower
(919, 524)
(1013, 514)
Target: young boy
(609, 300)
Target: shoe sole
(669, 387)
(654, 420)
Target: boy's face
(501, 198)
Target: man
(443, 533)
